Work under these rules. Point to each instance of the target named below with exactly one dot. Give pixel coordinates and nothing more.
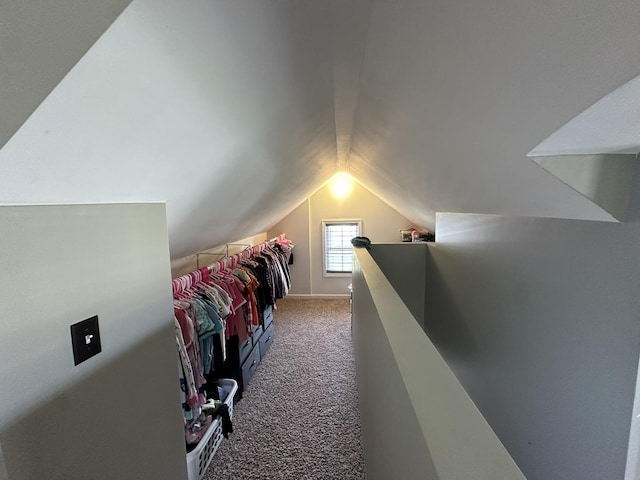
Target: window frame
(330, 222)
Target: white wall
(380, 223)
(539, 320)
(184, 265)
(404, 266)
(225, 110)
(296, 227)
(40, 42)
(604, 179)
(117, 415)
(453, 96)
(418, 423)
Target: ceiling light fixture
(341, 185)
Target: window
(338, 251)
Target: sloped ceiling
(453, 96)
(234, 112)
(224, 109)
(610, 126)
(40, 41)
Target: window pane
(338, 248)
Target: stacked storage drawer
(250, 362)
(266, 339)
(243, 358)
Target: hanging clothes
(215, 303)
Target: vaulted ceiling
(233, 112)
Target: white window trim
(324, 253)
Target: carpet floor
(299, 418)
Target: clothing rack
(208, 253)
(185, 282)
(223, 317)
(226, 254)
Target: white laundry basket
(199, 458)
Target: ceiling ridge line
(356, 103)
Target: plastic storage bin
(199, 458)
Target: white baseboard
(320, 296)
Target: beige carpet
(299, 417)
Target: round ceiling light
(341, 185)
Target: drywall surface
(225, 110)
(538, 318)
(184, 265)
(117, 415)
(604, 179)
(454, 95)
(608, 126)
(40, 42)
(404, 264)
(235, 112)
(418, 422)
(296, 227)
(380, 223)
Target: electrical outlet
(85, 339)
